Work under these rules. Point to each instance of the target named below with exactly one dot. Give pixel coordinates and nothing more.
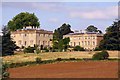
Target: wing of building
(32, 36)
(87, 40)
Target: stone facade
(32, 36)
(88, 41)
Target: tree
(8, 46)
(63, 30)
(92, 28)
(111, 39)
(100, 55)
(58, 40)
(23, 19)
(78, 48)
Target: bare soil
(82, 69)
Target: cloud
(84, 12)
(54, 20)
(106, 13)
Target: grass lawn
(20, 57)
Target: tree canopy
(111, 39)
(62, 30)
(58, 41)
(92, 28)
(8, 46)
(23, 19)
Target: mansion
(32, 36)
(87, 40)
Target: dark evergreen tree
(111, 39)
(8, 46)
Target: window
(25, 34)
(48, 43)
(39, 42)
(85, 42)
(31, 42)
(19, 42)
(43, 43)
(43, 35)
(25, 43)
(48, 35)
(93, 43)
(82, 43)
(74, 44)
(88, 42)
(71, 43)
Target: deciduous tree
(23, 19)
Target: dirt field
(83, 69)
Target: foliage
(29, 49)
(5, 73)
(97, 49)
(58, 41)
(23, 19)
(46, 49)
(78, 48)
(37, 51)
(38, 60)
(100, 55)
(111, 39)
(92, 28)
(8, 46)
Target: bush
(46, 49)
(59, 59)
(5, 74)
(72, 59)
(38, 60)
(37, 51)
(100, 55)
(78, 48)
(29, 49)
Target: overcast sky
(53, 14)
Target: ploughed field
(82, 69)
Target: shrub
(46, 49)
(78, 48)
(38, 60)
(29, 49)
(71, 58)
(59, 59)
(100, 55)
(37, 51)
(5, 74)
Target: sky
(53, 14)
